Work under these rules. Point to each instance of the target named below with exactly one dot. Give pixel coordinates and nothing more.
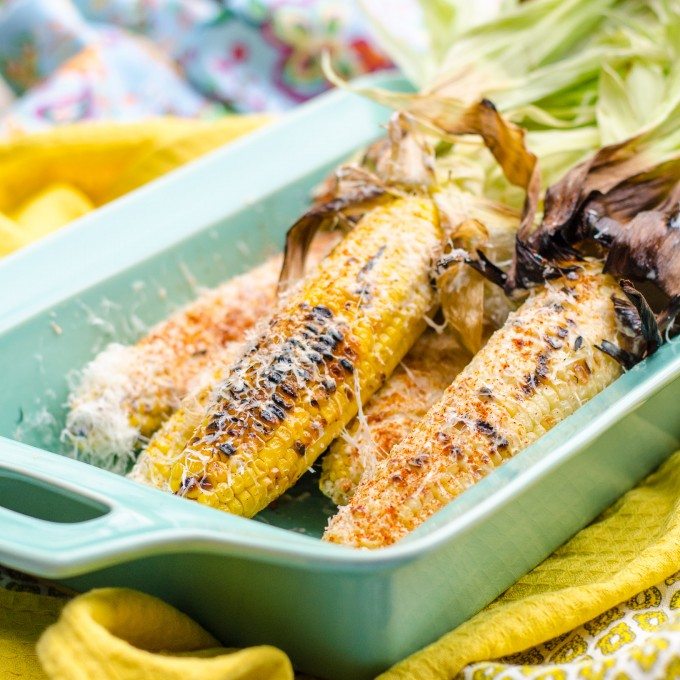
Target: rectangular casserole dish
(339, 613)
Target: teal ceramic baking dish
(339, 613)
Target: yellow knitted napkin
(115, 633)
(50, 178)
(23, 617)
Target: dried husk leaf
(649, 327)
(564, 201)
(461, 288)
(648, 246)
(611, 187)
(347, 205)
(472, 222)
(403, 158)
(403, 162)
(461, 293)
(633, 219)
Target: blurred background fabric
(71, 60)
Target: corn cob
(334, 339)
(417, 383)
(534, 372)
(127, 392)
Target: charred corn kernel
(167, 443)
(417, 383)
(534, 372)
(127, 392)
(333, 340)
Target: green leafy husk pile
(543, 134)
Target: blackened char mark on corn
(371, 262)
(498, 441)
(256, 398)
(365, 287)
(194, 482)
(227, 449)
(553, 342)
(533, 380)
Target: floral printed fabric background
(69, 60)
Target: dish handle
(60, 517)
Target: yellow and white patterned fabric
(639, 638)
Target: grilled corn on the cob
(334, 340)
(417, 383)
(126, 392)
(534, 372)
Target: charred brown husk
(613, 209)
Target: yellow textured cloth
(112, 634)
(51, 178)
(23, 617)
(633, 547)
